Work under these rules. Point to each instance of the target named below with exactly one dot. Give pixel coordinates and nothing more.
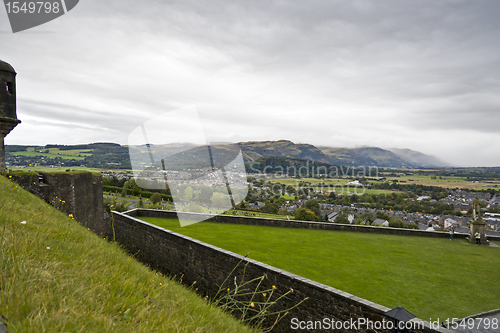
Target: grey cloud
(265, 69)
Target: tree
(136, 190)
(304, 214)
(396, 223)
(343, 216)
(130, 184)
(368, 217)
(220, 200)
(382, 216)
(106, 181)
(313, 206)
(188, 193)
(155, 198)
(270, 208)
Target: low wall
(297, 224)
(207, 267)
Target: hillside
(417, 158)
(394, 157)
(178, 156)
(253, 151)
(57, 276)
(382, 157)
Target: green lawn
(57, 276)
(430, 277)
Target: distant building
(332, 216)
(450, 223)
(381, 222)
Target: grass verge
(57, 276)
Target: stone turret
(477, 224)
(8, 116)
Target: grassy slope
(430, 277)
(84, 283)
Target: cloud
(402, 74)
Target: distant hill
(346, 156)
(254, 150)
(382, 157)
(178, 156)
(417, 158)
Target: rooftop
(5, 67)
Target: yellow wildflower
(274, 287)
(252, 305)
(264, 294)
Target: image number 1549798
(38, 7)
(27, 14)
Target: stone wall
(76, 193)
(299, 224)
(206, 267)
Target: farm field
(430, 277)
(445, 181)
(339, 185)
(77, 154)
(58, 169)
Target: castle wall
(76, 193)
(206, 267)
(296, 224)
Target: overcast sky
(423, 75)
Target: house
(450, 223)
(380, 222)
(332, 216)
(256, 205)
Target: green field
(339, 185)
(66, 154)
(445, 181)
(58, 169)
(430, 277)
(57, 276)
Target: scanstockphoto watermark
(25, 15)
(354, 324)
(299, 190)
(311, 170)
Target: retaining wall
(297, 224)
(206, 267)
